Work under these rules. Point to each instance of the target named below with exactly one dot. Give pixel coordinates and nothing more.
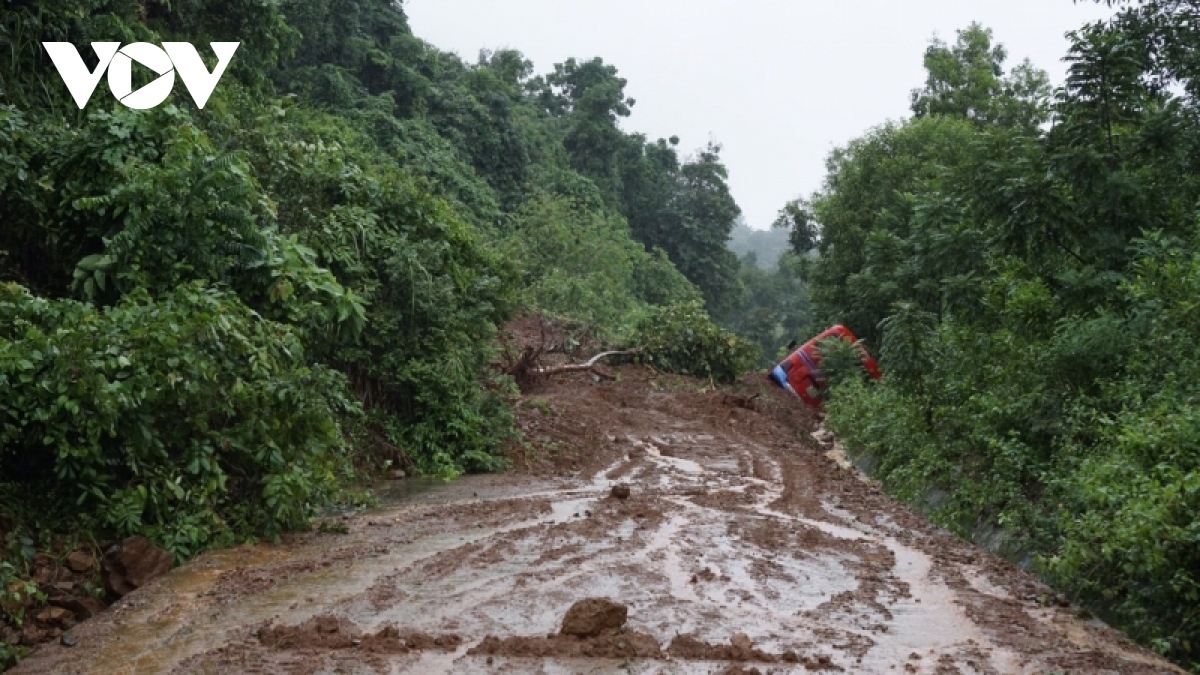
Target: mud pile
(740, 548)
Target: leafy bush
(1130, 536)
(683, 339)
(186, 419)
(884, 424)
(17, 595)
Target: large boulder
(133, 563)
(593, 616)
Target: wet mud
(740, 547)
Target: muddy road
(741, 547)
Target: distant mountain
(767, 245)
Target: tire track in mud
(741, 548)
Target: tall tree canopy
(967, 79)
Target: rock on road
(740, 548)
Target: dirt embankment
(739, 548)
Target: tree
(967, 80)
(590, 97)
(877, 245)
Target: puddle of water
(570, 509)
(395, 492)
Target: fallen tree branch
(583, 367)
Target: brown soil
(608, 645)
(741, 548)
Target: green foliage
(116, 410)
(905, 354)
(880, 241)
(840, 361)
(967, 80)
(681, 208)
(1033, 291)
(585, 265)
(1130, 534)
(904, 451)
(17, 595)
(683, 339)
(687, 211)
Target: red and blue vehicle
(801, 372)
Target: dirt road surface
(741, 548)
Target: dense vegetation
(1025, 261)
(210, 318)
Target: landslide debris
(324, 633)
(593, 616)
(592, 628)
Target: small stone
(396, 474)
(82, 607)
(43, 574)
(823, 437)
(620, 491)
(80, 562)
(68, 640)
(53, 614)
(31, 636)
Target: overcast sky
(779, 83)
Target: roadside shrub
(187, 419)
(1130, 537)
(683, 339)
(17, 595)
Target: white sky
(779, 83)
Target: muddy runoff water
(733, 554)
